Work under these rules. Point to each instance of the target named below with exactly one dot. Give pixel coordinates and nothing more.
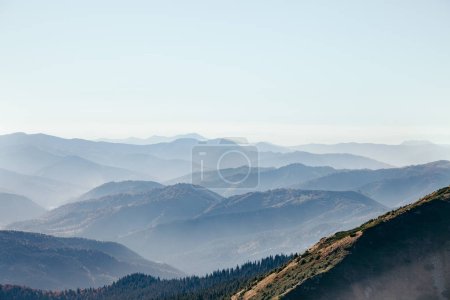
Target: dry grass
(322, 257)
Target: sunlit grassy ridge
(310, 267)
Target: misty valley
(85, 219)
(224, 150)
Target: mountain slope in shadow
(251, 226)
(198, 231)
(116, 215)
(403, 254)
(46, 262)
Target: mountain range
(85, 173)
(392, 187)
(142, 197)
(46, 192)
(60, 170)
(404, 154)
(199, 231)
(403, 254)
(334, 160)
(263, 178)
(123, 187)
(399, 155)
(117, 214)
(155, 139)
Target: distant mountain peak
(155, 139)
(120, 187)
(439, 163)
(187, 188)
(416, 143)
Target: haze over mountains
(59, 170)
(85, 173)
(199, 231)
(402, 254)
(392, 187)
(217, 150)
(116, 215)
(266, 178)
(14, 208)
(220, 284)
(124, 187)
(155, 139)
(404, 154)
(399, 155)
(44, 191)
(46, 262)
(339, 161)
(141, 196)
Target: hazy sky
(290, 72)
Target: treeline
(217, 285)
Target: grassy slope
(323, 263)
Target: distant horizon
(199, 140)
(290, 73)
(180, 135)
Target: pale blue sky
(290, 72)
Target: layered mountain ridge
(198, 230)
(47, 262)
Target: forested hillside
(217, 285)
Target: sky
(289, 72)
